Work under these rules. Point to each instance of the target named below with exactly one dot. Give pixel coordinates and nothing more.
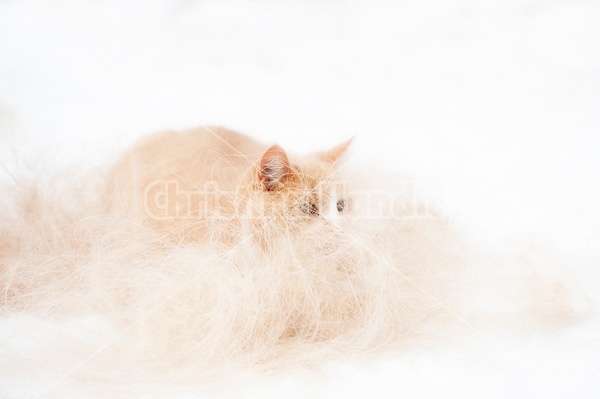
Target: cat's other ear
(273, 168)
(336, 152)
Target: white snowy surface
(494, 106)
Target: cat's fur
(193, 183)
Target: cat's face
(288, 195)
(316, 191)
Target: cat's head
(288, 192)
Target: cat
(211, 181)
(159, 252)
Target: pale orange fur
(161, 182)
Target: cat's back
(195, 154)
(189, 159)
(209, 142)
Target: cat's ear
(273, 168)
(336, 152)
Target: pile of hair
(205, 306)
(377, 280)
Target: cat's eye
(310, 208)
(341, 205)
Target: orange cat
(333, 266)
(181, 183)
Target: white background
(492, 105)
